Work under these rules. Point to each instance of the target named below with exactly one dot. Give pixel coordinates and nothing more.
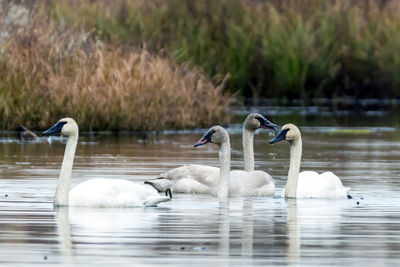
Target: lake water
(196, 229)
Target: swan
(307, 184)
(202, 179)
(218, 135)
(96, 192)
(238, 182)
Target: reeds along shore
(272, 48)
(158, 64)
(47, 72)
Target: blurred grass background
(156, 64)
(48, 71)
(286, 49)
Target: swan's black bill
(266, 124)
(281, 135)
(205, 139)
(55, 129)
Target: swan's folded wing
(204, 174)
(336, 180)
(325, 185)
(187, 179)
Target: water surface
(196, 229)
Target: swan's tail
(161, 184)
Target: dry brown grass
(47, 73)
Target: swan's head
(66, 127)
(215, 134)
(256, 121)
(288, 132)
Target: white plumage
(306, 184)
(113, 193)
(325, 185)
(202, 179)
(96, 192)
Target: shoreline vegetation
(179, 64)
(285, 49)
(48, 72)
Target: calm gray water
(196, 229)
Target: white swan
(96, 192)
(218, 135)
(202, 179)
(234, 183)
(307, 184)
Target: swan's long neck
(248, 149)
(62, 192)
(294, 168)
(225, 168)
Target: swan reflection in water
(243, 230)
(247, 228)
(146, 232)
(61, 215)
(310, 221)
(293, 231)
(224, 229)
(87, 226)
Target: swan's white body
(202, 179)
(96, 192)
(113, 193)
(307, 184)
(325, 185)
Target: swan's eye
(208, 135)
(61, 124)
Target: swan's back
(206, 175)
(114, 193)
(325, 185)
